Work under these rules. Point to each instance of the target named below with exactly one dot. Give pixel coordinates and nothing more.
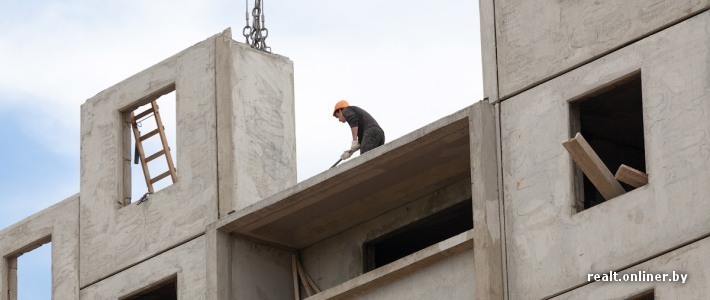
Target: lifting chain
(257, 33)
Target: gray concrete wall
(538, 39)
(339, 258)
(487, 206)
(114, 237)
(448, 279)
(550, 247)
(60, 225)
(228, 95)
(691, 260)
(186, 261)
(260, 271)
(256, 124)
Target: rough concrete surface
(186, 261)
(486, 203)
(114, 237)
(256, 124)
(691, 260)
(59, 224)
(537, 39)
(550, 247)
(260, 271)
(378, 181)
(340, 258)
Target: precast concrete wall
(58, 224)
(450, 278)
(340, 258)
(256, 124)
(551, 247)
(537, 40)
(690, 260)
(235, 135)
(260, 271)
(186, 262)
(114, 236)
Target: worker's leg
(372, 138)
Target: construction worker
(366, 133)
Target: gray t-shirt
(358, 117)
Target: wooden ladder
(160, 130)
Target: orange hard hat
(339, 105)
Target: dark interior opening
(418, 235)
(647, 295)
(611, 120)
(163, 291)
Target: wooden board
(593, 167)
(631, 176)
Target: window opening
(164, 290)
(30, 273)
(647, 295)
(418, 235)
(156, 146)
(611, 121)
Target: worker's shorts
(372, 138)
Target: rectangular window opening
(30, 272)
(163, 290)
(418, 235)
(647, 295)
(611, 121)
(158, 148)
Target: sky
(407, 62)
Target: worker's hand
(346, 155)
(355, 145)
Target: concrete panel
(219, 264)
(114, 237)
(256, 124)
(260, 271)
(486, 202)
(488, 50)
(691, 260)
(340, 258)
(550, 248)
(60, 225)
(447, 279)
(538, 39)
(186, 261)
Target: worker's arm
(355, 144)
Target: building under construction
(589, 156)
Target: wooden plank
(302, 274)
(143, 114)
(164, 140)
(159, 177)
(310, 281)
(141, 153)
(631, 176)
(294, 269)
(149, 134)
(593, 167)
(154, 156)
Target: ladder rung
(154, 156)
(145, 113)
(159, 177)
(149, 134)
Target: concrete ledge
(406, 265)
(383, 179)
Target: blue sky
(408, 63)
